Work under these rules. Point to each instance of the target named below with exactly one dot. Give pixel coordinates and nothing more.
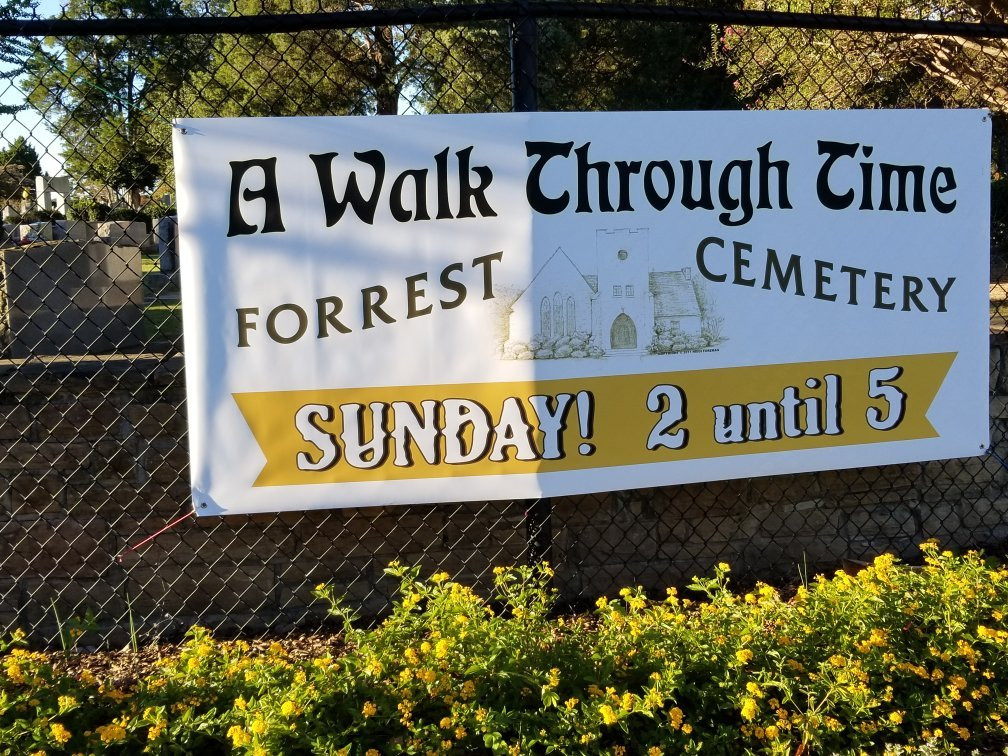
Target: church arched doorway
(623, 334)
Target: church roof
(674, 295)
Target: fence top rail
(492, 11)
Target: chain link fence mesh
(92, 415)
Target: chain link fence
(92, 415)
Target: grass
(163, 321)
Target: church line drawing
(623, 307)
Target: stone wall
(94, 460)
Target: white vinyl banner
(392, 310)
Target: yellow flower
(771, 732)
(60, 733)
(369, 709)
(675, 717)
(439, 577)
(608, 715)
(111, 733)
(687, 728)
(258, 726)
(744, 655)
(372, 752)
(468, 689)
(724, 567)
(654, 751)
(239, 736)
(460, 733)
(754, 689)
(65, 702)
(240, 703)
(554, 677)
(749, 709)
(896, 717)
(446, 723)
(289, 708)
(441, 649)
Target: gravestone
(70, 298)
(51, 193)
(166, 232)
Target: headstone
(166, 232)
(126, 233)
(69, 298)
(41, 231)
(81, 230)
(51, 193)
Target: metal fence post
(525, 99)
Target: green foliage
(583, 65)
(313, 72)
(778, 68)
(109, 98)
(20, 153)
(893, 659)
(14, 50)
(86, 208)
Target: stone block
(122, 233)
(81, 231)
(83, 417)
(67, 298)
(190, 591)
(983, 514)
(34, 492)
(56, 546)
(161, 419)
(837, 483)
(160, 463)
(876, 518)
(801, 520)
(15, 422)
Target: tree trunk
(385, 69)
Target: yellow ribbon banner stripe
(414, 432)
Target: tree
(583, 65)
(19, 164)
(314, 72)
(21, 154)
(14, 50)
(109, 97)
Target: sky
(28, 123)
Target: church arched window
(558, 315)
(545, 318)
(571, 322)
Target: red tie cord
(151, 537)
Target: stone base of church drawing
(628, 304)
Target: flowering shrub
(892, 659)
(575, 345)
